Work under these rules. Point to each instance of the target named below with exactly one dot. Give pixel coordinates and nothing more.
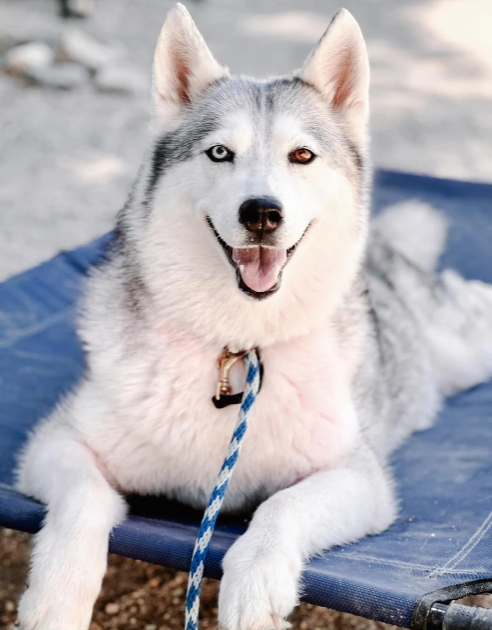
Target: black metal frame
(438, 611)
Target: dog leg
(263, 568)
(70, 552)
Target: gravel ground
(68, 159)
(143, 596)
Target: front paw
(53, 609)
(259, 588)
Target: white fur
(70, 553)
(262, 569)
(416, 230)
(458, 325)
(205, 297)
(460, 340)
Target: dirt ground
(143, 596)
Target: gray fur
(263, 100)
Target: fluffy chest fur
(187, 278)
(156, 430)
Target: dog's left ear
(183, 67)
(339, 68)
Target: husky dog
(248, 227)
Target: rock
(79, 47)
(28, 57)
(112, 608)
(7, 42)
(154, 582)
(121, 79)
(62, 76)
(77, 8)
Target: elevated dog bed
(439, 549)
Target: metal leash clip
(225, 362)
(223, 397)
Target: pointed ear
(183, 66)
(339, 68)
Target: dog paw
(259, 588)
(42, 611)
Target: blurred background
(74, 112)
(74, 105)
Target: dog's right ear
(183, 67)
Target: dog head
(255, 189)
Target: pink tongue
(259, 266)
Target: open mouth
(258, 268)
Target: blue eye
(220, 153)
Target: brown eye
(301, 156)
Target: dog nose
(261, 214)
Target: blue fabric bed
(443, 536)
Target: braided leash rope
(217, 497)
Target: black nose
(261, 214)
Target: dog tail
(454, 314)
(414, 229)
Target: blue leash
(217, 497)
